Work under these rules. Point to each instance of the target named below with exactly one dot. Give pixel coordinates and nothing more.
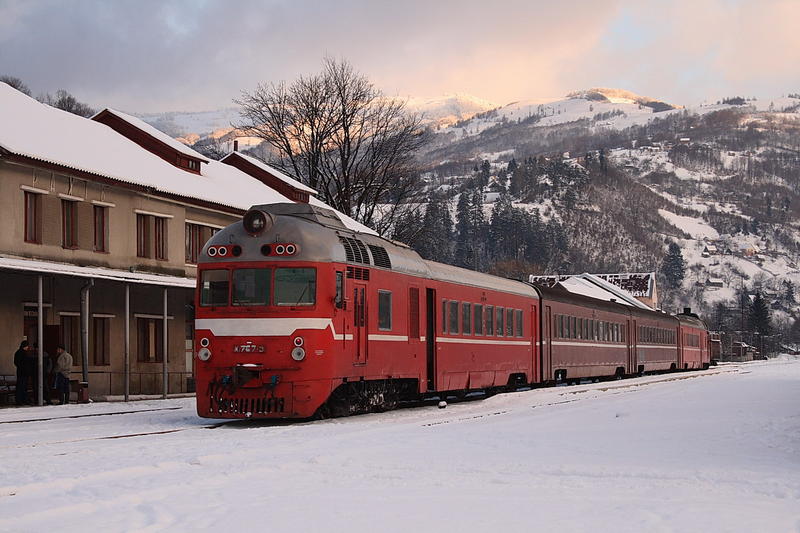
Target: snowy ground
(702, 451)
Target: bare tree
(16, 83)
(66, 102)
(338, 133)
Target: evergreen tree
(674, 267)
(436, 241)
(758, 316)
(464, 232)
(512, 166)
(788, 293)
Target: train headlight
(204, 354)
(204, 342)
(298, 341)
(255, 221)
(298, 354)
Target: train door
(547, 347)
(536, 356)
(360, 322)
(680, 348)
(430, 337)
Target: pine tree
(436, 241)
(674, 267)
(758, 316)
(464, 232)
(788, 294)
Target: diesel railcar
(298, 315)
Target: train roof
(562, 295)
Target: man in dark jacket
(21, 391)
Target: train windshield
(251, 286)
(214, 288)
(295, 286)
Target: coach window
(509, 322)
(478, 319)
(214, 288)
(453, 317)
(466, 318)
(498, 321)
(489, 320)
(444, 316)
(573, 327)
(384, 310)
(251, 286)
(295, 286)
(518, 323)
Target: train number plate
(248, 348)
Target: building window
(33, 218)
(196, 237)
(150, 332)
(69, 224)
(143, 235)
(100, 228)
(161, 238)
(384, 310)
(151, 236)
(100, 341)
(69, 333)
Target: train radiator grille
(242, 406)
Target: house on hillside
(105, 220)
(709, 250)
(749, 250)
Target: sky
(192, 55)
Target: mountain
(448, 109)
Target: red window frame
(160, 230)
(69, 224)
(101, 345)
(33, 220)
(100, 228)
(142, 235)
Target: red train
(297, 315)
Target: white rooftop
(275, 172)
(158, 134)
(41, 132)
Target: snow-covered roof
(274, 171)
(38, 131)
(153, 132)
(577, 285)
(593, 286)
(50, 267)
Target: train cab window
(214, 288)
(518, 323)
(295, 286)
(478, 319)
(384, 310)
(489, 320)
(453, 318)
(466, 318)
(444, 316)
(498, 321)
(509, 322)
(251, 286)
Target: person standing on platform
(62, 370)
(21, 391)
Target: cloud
(150, 55)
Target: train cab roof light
(255, 222)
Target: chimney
(236, 145)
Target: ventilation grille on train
(358, 273)
(255, 406)
(380, 256)
(354, 250)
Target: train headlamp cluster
(224, 251)
(279, 248)
(298, 354)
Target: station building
(103, 220)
